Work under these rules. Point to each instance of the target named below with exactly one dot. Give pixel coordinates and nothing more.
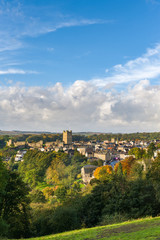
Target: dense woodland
(44, 194)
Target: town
(107, 152)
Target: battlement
(67, 131)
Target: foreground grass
(143, 229)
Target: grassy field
(143, 229)
(43, 185)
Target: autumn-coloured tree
(56, 172)
(102, 172)
(48, 192)
(126, 165)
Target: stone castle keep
(67, 137)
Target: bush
(37, 196)
(47, 220)
(3, 228)
(64, 219)
(41, 219)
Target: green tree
(137, 152)
(37, 196)
(56, 171)
(11, 162)
(3, 228)
(3, 183)
(65, 218)
(34, 166)
(151, 149)
(61, 193)
(15, 206)
(120, 170)
(154, 171)
(14, 210)
(78, 158)
(120, 196)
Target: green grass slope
(148, 229)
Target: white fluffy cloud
(145, 67)
(81, 107)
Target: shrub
(3, 228)
(37, 196)
(65, 218)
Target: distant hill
(14, 132)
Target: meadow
(141, 229)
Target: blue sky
(87, 65)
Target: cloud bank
(81, 107)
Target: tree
(34, 166)
(3, 182)
(48, 192)
(78, 158)
(56, 172)
(3, 228)
(102, 172)
(64, 219)
(2, 142)
(11, 162)
(119, 196)
(37, 196)
(120, 170)
(151, 149)
(14, 207)
(126, 165)
(61, 193)
(154, 171)
(137, 152)
(3, 177)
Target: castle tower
(10, 142)
(112, 140)
(67, 137)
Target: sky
(84, 65)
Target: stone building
(103, 156)
(67, 137)
(10, 143)
(87, 173)
(82, 150)
(49, 144)
(36, 144)
(112, 140)
(20, 144)
(16, 144)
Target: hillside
(148, 228)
